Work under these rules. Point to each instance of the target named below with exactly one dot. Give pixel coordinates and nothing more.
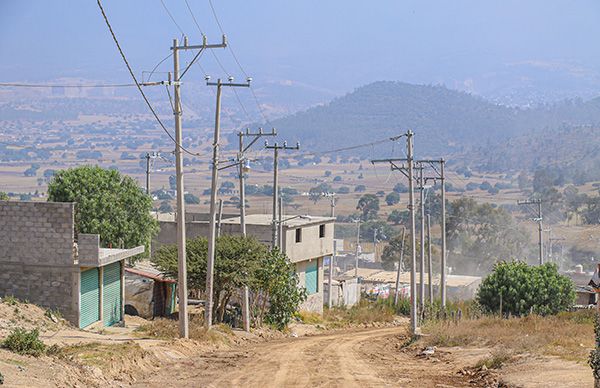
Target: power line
(22, 85)
(137, 84)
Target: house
(459, 287)
(585, 293)
(306, 240)
(42, 261)
(148, 293)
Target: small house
(44, 262)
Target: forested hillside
(443, 120)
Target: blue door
(89, 296)
(311, 276)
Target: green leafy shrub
(24, 342)
(520, 289)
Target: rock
(428, 351)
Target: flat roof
(382, 276)
(290, 221)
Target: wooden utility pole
(275, 147)
(213, 197)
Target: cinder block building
(306, 240)
(42, 262)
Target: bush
(518, 289)
(24, 342)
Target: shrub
(518, 289)
(24, 342)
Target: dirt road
(357, 358)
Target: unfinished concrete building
(41, 262)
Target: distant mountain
(444, 120)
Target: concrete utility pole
(539, 219)
(177, 112)
(148, 157)
(330, 275)
(422, 240)
(411, 200)
(443, 222)
(429, 266)
(213, 196)
(356, 252)
(243, 166)
(181, 254)
(396, 293)
(408, 172)
(275, 147)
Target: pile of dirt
(14, 314)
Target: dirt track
(358, 358)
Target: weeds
(309, 318)
(567, 335)
(361, 313)
(169, 329)
(24, 342)
(496, 360)
(10, 300)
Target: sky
(533, 49)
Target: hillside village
(194, 228)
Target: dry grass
(310, 318)
(168, 329)
(363, 313)
(496, 360)
(568, 335)
(103, 356)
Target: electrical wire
(20, 85)
(138, 84)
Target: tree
(392, 198)
(337, 178)
(327, 173)
(398, 217)
(391, 253)
(172, 182)
(191, 199)
(165, 207)
(107, 203)
(368, 204)
(400, 188)
(236, 260)
(360, 189)
(276, 282)
(4, 196)
(520, 289)
(479, 235)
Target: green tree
(107, 203)
(191, 199)
(277, 284)
(520, 289)
(398, 217)
(391, 253)
(368, 204)
(4, 196)
(392, 198)
(236, 261)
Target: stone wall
(37, 262)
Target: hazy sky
(325, 46)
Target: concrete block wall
(37, 262)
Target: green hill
(444, 120)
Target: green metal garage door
(312, 277)
(111, 294)
(90, 298)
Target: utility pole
(443, 222)
(148, 157)
(408, 172)
(177, 112)
(396, 293)
(330, 275)
(411, 201)
(539, 220)
(219, 218)
(213, 196)
(356, 252)
(422, 239)
(243, 166)
(429, 266)
(275, 147)
(181, 253)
